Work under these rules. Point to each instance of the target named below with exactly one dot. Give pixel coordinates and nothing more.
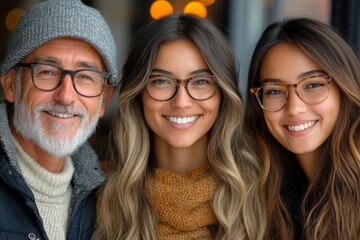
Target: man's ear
(8, 83)
(108, 94)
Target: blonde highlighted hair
(123, 209)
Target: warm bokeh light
(13, 17)
(207, 2)
(196, 8)
(160, 9)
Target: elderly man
(58, 76)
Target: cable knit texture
(52, 192)
(53, 19)
(183, 203)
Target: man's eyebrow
(88, 65)
(57, 61)
(48, 59)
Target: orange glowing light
(196, 8)
(207, 2)
(12, 18)
(160, 9)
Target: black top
(292, 191)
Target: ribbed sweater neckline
(40, 179)
(169, 178)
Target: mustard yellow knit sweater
(183, 203)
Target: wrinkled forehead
(65, 52)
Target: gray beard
(61, 143)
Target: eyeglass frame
(181, 81)
(65, 72)
(255, 90)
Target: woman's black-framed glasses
(163, 87)
(272, 97)
(47, 77)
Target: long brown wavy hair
(331, 203)
(123, 210)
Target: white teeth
(301, 127)
(61, 115)
(184, 120)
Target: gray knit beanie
(61, 18)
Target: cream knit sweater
(52, 192)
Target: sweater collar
(40, 179)
(183, 203)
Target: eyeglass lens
(162, 88)
(86, 82)
(313, 90)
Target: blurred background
(242, 21)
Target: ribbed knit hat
(61, 18)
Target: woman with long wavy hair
(177, 168)
(303, 119)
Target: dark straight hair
(331, 205)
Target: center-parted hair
(331, 202)
(123, 209)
